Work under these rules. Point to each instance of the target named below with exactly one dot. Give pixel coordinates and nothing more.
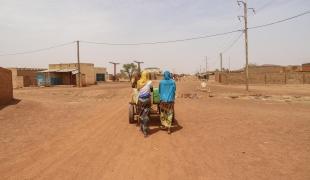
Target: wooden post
(78, 61)
(221, 59)
(303, 78)
(246, 45)
(227, 78)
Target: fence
(265, 78)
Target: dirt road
(72, 133)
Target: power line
(265, 5)
(164, 42)
(199, 37)
(271, 3)
(160, 42)
(280, 21)
(240, 35)
(233, 43)
(37, 50)
(195, 38)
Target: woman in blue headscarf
(167, 90)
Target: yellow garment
(143, 80)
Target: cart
(135, 109)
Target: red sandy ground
(72, 133)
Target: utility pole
(206, 76)
(245, 17)
(229, 64)
(221, 59)
(114, 64)
(206, 65)
(78, 61)
(139, 68)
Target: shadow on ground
(155, 123)
(13, 102)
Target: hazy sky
(34, 24)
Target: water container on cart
(156, 96)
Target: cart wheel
(158, 109)
(131, 114)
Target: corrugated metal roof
(27, 69)
(48, 70)
(74, 71)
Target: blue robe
(167, 88)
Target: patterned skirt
(166, 113)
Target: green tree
(129, 69)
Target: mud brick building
(266, 68)
(305, 67)
(24, 77)
(155, 72)
(6, 86)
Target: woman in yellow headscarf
(145, 87)
(143, 79)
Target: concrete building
(6, 86)
(24, 77)
(67, 74)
